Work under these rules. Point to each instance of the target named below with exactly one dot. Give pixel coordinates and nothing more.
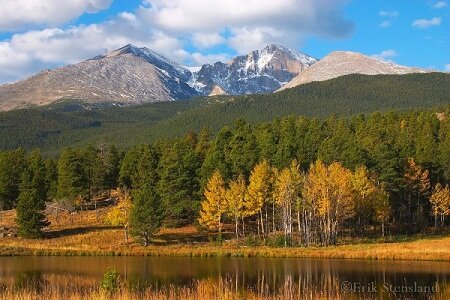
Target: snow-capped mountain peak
(260, 71)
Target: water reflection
(351, 278)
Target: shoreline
(427, 249)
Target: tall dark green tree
(112, 167)
(216, 158)
(51, 178)
(147, 213)
(146, 170)
(72, 180)
(129, 164)
(179, 185)
(30, 205)
(94, 169)
(37, 170)
(12, 164)
(243, 154)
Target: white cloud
(440, 4)
(447, 67)
(425, 23)
(17, 14)
(199, 59)
(39, 49)
(385, 24)
(164, 26)
(298, 17)
(245, 39)
(386, 55)
(207, 40)
(389, 14)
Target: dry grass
(86, 234)
(223, 289)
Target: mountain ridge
(132, 76)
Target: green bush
(111, 281)
(276, 240)
(252, 241)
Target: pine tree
(12, 164)
(147, 213)
(72, 180)
(214, 205)
(112, 168)
(179, 185)
(30, 204)
(51, 178)
(36, 167)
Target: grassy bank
(86, 234)
(223, 289)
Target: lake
(358, 278)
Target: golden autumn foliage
(214, 205)
(329, 189)
(259, 187)
(120, 214)
(440, 202)
(235, 197)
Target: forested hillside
(385, 171)
(53, 128)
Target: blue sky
(40, 34)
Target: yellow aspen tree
(315, 191)
(235, 197)
(364, 189)
(343, 205)
(440, 203)
(382, 207)
(418, 185)
(283, 195)
(120, 214)
(259, 191)
(214, 204)
(330, 191)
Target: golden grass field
(86, 234)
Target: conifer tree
(30, 204)
(12, 164)
(112, 167)
(147, 213)
(72, 180)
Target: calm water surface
(408, 279)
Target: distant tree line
(311, 180)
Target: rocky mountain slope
(256, 73)
(128, 75)
(341, 63)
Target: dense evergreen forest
(65, 124)
(303, 180)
